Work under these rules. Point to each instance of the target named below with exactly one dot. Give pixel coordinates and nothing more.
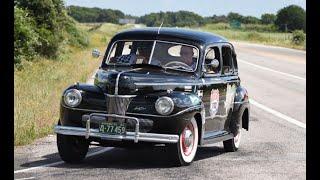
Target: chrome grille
(117, 104)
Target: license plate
(113, 128)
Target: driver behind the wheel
(186, 54)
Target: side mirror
(95, 53)
(213, 64)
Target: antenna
(160, 27)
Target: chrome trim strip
(217, 139)
(138, 114)
(166, 83)
(118, 77)
(146, 137)
(122, 96)
(176, 84)
(178, 113)
(153, 46)
(88, 128)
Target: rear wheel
(233, 144)
(72, 149)
(184, 151)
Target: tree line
(287, 19)
(44, 27)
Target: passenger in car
(186, 54)
(143, 55)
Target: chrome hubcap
(237, 139)
(187, 140)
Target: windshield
(160, 53)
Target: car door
(230, 76)
(214, 88)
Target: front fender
(183, 102)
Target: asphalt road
(273, 148)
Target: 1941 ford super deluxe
(170, 86)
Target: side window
(235, 63)
(212, 53)
(227, 60)
(126, 48)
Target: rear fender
(241, 110)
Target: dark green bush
(298, 37)
(77, 37)
(26, 40)
(41, 27)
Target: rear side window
(235, 63)
(212, 53)
(227, 67)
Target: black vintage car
(173, 87)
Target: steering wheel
(178, 63)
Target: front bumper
(135, 136)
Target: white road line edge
(60, 162)
(26, 178)
(278, 114)
(268, 69)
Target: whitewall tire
(185, 150)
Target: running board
(215, 137)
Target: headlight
(164, 105)
(72, 97)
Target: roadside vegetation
(260, 34)
(39, 84)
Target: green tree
(180, 18)
(268, 18)
(250, 20)
(25, 36)
(291, 18)
(216, 19)
(49, 18)
(234, 17)
(85, 14)
(40, 28)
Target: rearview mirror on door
(213, 64)
(95, 53)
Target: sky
(201, 7)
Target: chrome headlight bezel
(167, 100)
(76, 93)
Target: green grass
(39, 85)
(249, 35)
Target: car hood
(143, 80)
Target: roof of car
(166, 33)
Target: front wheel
(184, 151)
(72, 149)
